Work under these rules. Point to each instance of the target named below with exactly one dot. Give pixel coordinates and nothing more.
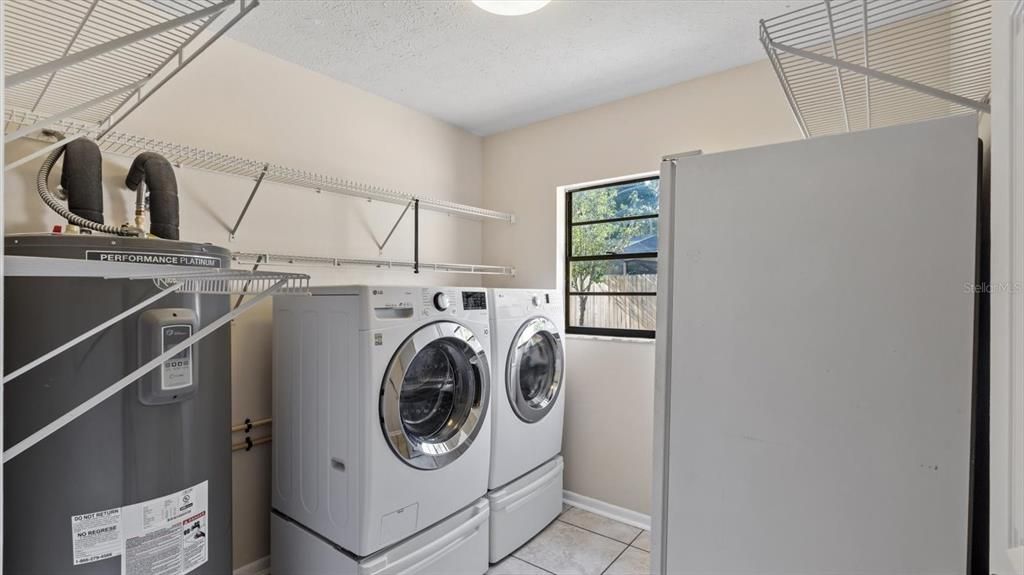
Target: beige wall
(238, 100)
(608, 435)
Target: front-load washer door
(435, 395)
(535, 369)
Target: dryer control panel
(522, 303)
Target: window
(611, 265)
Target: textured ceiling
(489, 73)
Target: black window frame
(569, 259)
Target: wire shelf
(249, 258)
(848, 65)
(201, 159)
(232, 282)
(97, 60)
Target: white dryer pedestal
(524, 507)
(456, 545)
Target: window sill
(586, 337)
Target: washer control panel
(474, 300)
(452, 302)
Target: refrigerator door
(815, 355)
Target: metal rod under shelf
(250, 258)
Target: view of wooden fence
(615, 311)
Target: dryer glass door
(435, 395)
(535, 369)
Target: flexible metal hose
(158, 174)
(50, 200)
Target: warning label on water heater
(164, 536)
(96, 536)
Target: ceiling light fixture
(511, 7)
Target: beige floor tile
(512, 566)
(566, 549)
(602, 525)
(633, 562)
(643, 542)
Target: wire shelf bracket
(248, 201)
(383, 244)
(212, 281)
(846, 65)
(116, 57)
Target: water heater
(141, 483)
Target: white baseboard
(260, 566)
(1017, 558)
(620, 514)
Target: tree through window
(611, 265)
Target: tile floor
(581, 543)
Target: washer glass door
(435, 395)
(535, 369)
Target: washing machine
(527, 410)
(381, 427)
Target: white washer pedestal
(456, 545)
(524, 507)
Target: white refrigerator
(815, 355)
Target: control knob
(441, 301)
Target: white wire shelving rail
(96, 61)
(227, 164)
(258, 259)
(848, 65)
(168, 280)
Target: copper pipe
(257, 423)
(246, 445)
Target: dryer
(381, 427)
(527, 410)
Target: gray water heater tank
(141, 483)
